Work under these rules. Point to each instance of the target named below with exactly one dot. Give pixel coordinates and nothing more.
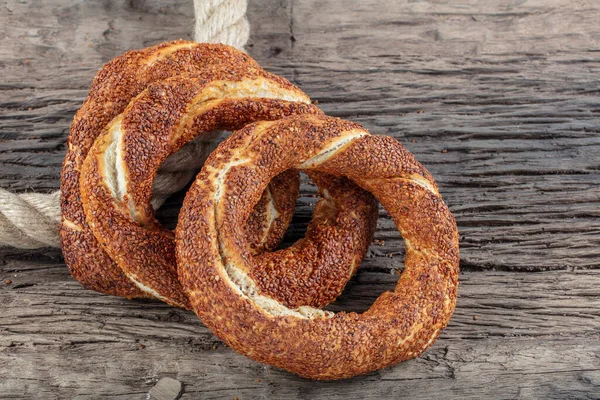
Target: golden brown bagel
(117, 175)
(215, 266)
(116, 84)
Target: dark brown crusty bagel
(116, 84)
(215, 266)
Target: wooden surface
(499, 99)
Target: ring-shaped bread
(117, 176)
(215, 264)
(115, 85)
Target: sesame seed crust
(213, 256)
(115, 85)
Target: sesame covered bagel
(117, 176)
(216, 268)
(116, 84)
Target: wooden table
(500, 100)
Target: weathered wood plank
(498, 99)
(489, 368)
(374, 28)
(544, 304)
(533, 334)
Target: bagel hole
(383, 262)
(379, 270)
(168, 213)
(305, 205)
(201, 147)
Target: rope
(221, 21)
(31, 220)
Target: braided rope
(221, 21)
(31, 220)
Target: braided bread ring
(116, 182)
(214, 265)
(115, 85)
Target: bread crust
(214, 263)
(115, 85)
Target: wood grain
(498, 99)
